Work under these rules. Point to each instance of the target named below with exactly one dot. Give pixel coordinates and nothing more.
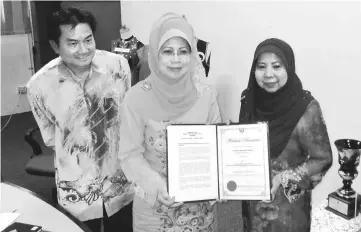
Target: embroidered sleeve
(314, 140)
(42, 115)
(134, 165)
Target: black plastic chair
(40, 163)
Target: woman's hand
(228, 122)
(276, 183)
(316, 179)
(164, 199)
(221, 200)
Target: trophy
(345, 202)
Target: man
(76, 100)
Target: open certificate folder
(207, 162)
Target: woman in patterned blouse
(174, 93)
(300, 149)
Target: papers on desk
(6, 219)
(23, 227)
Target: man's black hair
(68, 16)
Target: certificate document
(207, 162)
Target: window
(14, 17)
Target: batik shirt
(80, 121)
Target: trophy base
(344, 207)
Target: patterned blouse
(143, 154)
(80, 121)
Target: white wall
(16, 64)
(325, 37)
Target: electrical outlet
(21, 89)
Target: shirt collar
(96, 66)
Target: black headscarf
(282, 109)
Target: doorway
(42, 51)
(106, 13)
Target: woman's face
(271, 73)
(174, 58)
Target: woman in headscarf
(300, 150)
(174, 93)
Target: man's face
(76, 45)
